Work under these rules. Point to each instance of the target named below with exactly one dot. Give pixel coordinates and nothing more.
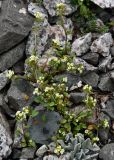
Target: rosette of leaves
(77, 148)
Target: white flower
(106, 123)
(39, 16)
(79, 84)
(36, 91)
(47, 89)
(26, 110)
(9, 74)
(65, 79)
(33, 58)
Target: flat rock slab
(104, 3)
(15, 23)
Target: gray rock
(27, 153)
(5, 137)
(15, 23)
(112, 51)
(72, 79)
(77, 97)
(6, 109)
(81, 45)
(87, 67)
(51, 7)
(109, 110)
(91, 78)
(9, 58)
(77, 109)
(106, 83)
(18, 68)
(92, 58)
(43, 128)
(40, 152)
(41, 39)
(38, 39)
(33, 8)
(52, 147)
(3, 80)
(111, 73)
(105, 16)
(20, 94)
(102, 44)
(107, 152)
(103, 132)
(105, 63)
(50, 157)
(104, 3)
(18, 137)
(111, 66)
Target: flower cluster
(40, 80)
(39, 16)
(90, 102)
(87, 89)
(54, 96)
(70, 66)
(95, 139)
(55, 43)
(59, 150)
(22, 115)
(60, 8)
(33, 58)
(105, 123)
(10, 74)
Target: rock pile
(17, 41)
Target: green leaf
(34, 113)
(44, 118)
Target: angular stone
(14, 24)
(106, 83)
(18, 137)
(51, 157)
(3, 80)
(38, 39)
(81, 45)
(18, 67)
(77, 97)
(9, 58)
(91, 78)
(102, 45)
(5, 137)
(72, 80)
(87, 67)
(33, 8)
(107, 152)
(20, 94)
(104, 132)
(44, 126)
(105, 16)
(27, 153)
(112, 51)
(104, 3)
(51, 7)
(92, 58)
(109, 110)
(105, 63)
(41, 39)
(40, 152)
